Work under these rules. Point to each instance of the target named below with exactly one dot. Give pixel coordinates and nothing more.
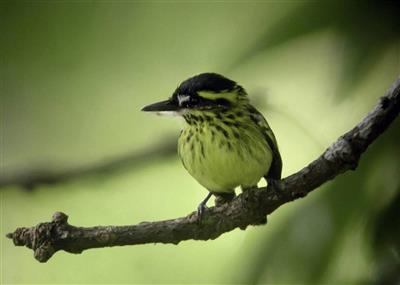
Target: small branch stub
(249, 208)
(43, 239)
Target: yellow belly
(222, 163)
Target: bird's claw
(275, 184)
(201, 209)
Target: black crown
(205, 82)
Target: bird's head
(203, 92)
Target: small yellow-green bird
(225, 142)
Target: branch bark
(249, 208)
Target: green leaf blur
(74, 76)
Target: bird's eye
(183, 100)
(191, 102)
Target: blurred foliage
(311, 242)
(75, 74)
(367, 29)
(386, 238)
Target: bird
(225, 142)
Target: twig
(249, 208)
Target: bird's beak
(166, 105)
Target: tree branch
(32, 178)
(249, 208)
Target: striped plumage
(225, 142)
(223, 150)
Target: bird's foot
(274, 183)
(223, 198)
(201, 209)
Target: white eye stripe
(182, 99)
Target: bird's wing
(275, 170)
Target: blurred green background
(74, 76)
